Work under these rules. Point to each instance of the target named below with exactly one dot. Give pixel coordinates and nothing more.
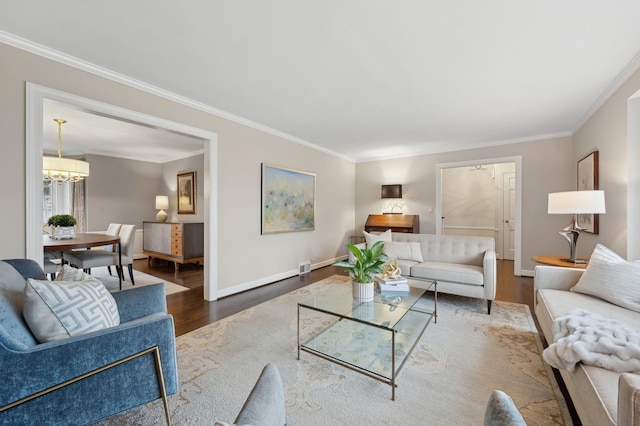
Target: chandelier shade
(61, 169)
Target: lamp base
(162, 216)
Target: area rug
(141, 279)
(447, 380)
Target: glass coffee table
(373, 338)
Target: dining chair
(87, 259)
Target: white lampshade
(576, 202)
(162, 202)
(64, 169)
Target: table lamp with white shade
(162, 202)
(575, 203)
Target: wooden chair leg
(131, 274)
(109, 269)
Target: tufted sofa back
(14, 332)
(467, 250)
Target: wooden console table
(176, 242)
(557, 261)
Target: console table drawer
(181, 242)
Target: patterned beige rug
(446, 381)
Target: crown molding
(614, 85)
(63, 58)
(446, 147)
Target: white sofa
(462, 265)
(600, 396)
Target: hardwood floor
(191, 311)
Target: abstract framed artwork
(187, 193)
(288, 200)
(588, 180)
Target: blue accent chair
(28, 367)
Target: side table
(558, 261)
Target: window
(57, 199)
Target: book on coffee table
(387, 285)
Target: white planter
(362, 292)
(62, 232)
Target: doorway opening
(35, 98)
(482, 198)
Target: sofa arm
(489, 270)
(555, 278)
(139, 302)
(628, 399)
(265, 404)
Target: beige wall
(544, 170)
(606, 131)
(111, 196)
(547, 166)
(245, 256)
(169, 186)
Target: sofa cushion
(14, 332)
(403, 251)
(610, 277)
(57, 310)
(371, 239)
(451, 272)
(597, 386)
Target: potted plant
(366, 263)
(61, 226)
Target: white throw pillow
(56, 310)
(610, 277)
(403, 251)
(371, 239)
(69, 273)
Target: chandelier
(60, 169)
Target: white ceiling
(365, 79)
(87, 132)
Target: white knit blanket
(583, 336)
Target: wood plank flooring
(191, 311)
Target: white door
(509, 215)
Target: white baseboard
(270, 279)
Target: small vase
(362, 292)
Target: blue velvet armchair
(28, 367)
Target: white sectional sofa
(600, 396)
(462, 265)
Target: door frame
(35, 97)
(517, 266)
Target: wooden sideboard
(408, 223)
(176, 242)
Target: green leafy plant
(367, 262)
(61, 220)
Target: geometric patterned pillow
(56, 310)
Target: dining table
(83, 240)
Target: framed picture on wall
(187, 193)
(588, 180)
(288, 200)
